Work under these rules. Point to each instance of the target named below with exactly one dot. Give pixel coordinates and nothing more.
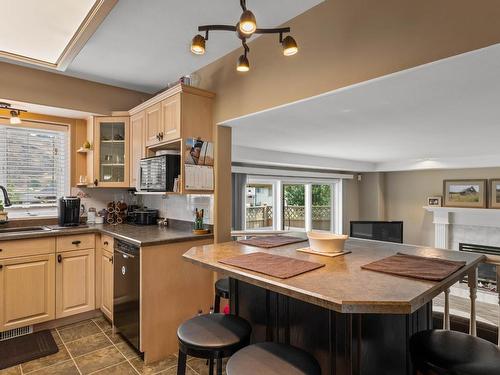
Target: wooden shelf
(113, 141)
(83, 150)
(461, 209)
(157, 193)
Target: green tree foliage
(295, 195)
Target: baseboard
(67, 320)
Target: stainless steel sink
(25, 229)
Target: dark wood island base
(358, 344)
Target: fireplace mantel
(445, 216)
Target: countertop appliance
(69, 211)
(126, 259)
(157, 173)
(144, 216)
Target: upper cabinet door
(111, 151)
(171, 118)
(153, 124)
(137, 126)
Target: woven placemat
(272, 265)
(415, 266)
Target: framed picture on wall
(495, 193)
(436, 201)
(465, 193)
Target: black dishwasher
(126, 291)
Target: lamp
(245, 28)
(14, 118)
(248, 23)
(243, 65)
(289, 46)
(198, 45)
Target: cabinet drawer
(76, 242)
(107, 243)
(27, 247)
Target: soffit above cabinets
(49, 33)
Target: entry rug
(272, 265)
(268, 242)
(26, 348)
(418, 267)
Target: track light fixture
(245, 28)
(14, 113)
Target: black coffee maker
(69, 211)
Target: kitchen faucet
(6, 200)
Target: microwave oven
(157, 173)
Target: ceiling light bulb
(289, 46)
(243, 64)
(247, 24)
(198, 45)
(14, 119)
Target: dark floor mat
(26, 348)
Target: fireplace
(487, 279)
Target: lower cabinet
(27, 294)
(107, 284)
(75, 282)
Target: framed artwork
(435, 201)
(465, 193)
(495, 193)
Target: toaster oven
(157, 173)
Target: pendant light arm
(243, 4)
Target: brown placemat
(26, 348)
(268, 242)
(272, 265)
(418, 267)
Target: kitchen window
(293, 204)
(34, 166)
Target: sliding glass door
(322, 207)
(294, 207)
(259, 206)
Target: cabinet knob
(105, 243)
(161, 135)
(1, 266)
(1, 250)
(110, 260)
(96, 182)
(77, 242)
(59, 258)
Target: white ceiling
(144, 45)
(447, 110)
(40, 29)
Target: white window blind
(33, 164)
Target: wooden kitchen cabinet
(27, 291)
(75, 282)
(153, 124)
(107, 284)
(109, 165)
(171, 118)
(137, 145)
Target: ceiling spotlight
(248, 23)
(289, 46)
(14, 118)
(243, 65)
(198, 45)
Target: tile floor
(90, 347)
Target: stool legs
(219, 366)
(181, 363)
(217, 304)
(211, 366)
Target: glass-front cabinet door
(111, 152)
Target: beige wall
(56, 90)
(405, 194)
(350, 203)
(342, 42)
(371, 196)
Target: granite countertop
(342, 285)
(145, 235)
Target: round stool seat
(214, 332)
(269, 358)
(222, 288)
(446, 352)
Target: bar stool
(211, 336)
(443, 352)
(221, 291)
(268, 358)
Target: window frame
(42, 209)
(336, 225)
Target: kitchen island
(353, 321)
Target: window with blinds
(33, 164)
